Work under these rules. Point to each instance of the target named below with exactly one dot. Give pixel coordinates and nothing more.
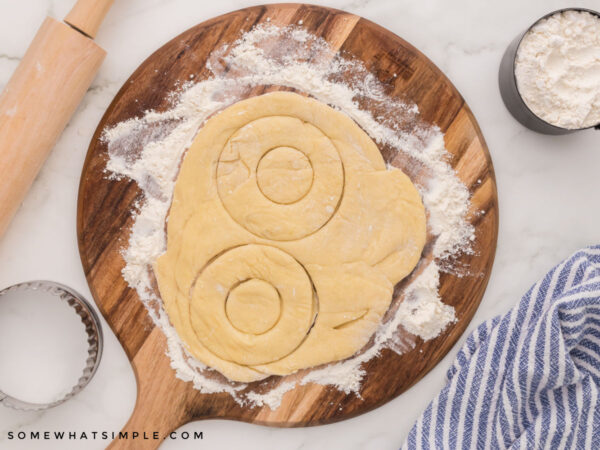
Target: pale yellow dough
(285, 238)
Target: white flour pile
(149, 150)
(558, 69)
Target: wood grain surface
(104, 220)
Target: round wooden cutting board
(104, 220)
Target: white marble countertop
(548, 187)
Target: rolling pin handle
(87, 15)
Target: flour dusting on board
(149, 151)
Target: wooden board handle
(150, 429)
(162, 403)
(87, 15)
(38, 102)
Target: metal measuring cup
(510, 92)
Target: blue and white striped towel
(530, 378)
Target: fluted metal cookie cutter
(92, 328)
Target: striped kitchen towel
(530, 378)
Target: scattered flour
(422, 311)
(149, 150)
(272, 398)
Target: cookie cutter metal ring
(93, 330)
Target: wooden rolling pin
(42, 95)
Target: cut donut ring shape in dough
(292, 203)
(284, 175)
(275, 267)
(285, 238)
(253, 306)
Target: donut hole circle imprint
(284, 175)
(230, 270)
(259, 211)
(253, 306)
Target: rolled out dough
(285, 238)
